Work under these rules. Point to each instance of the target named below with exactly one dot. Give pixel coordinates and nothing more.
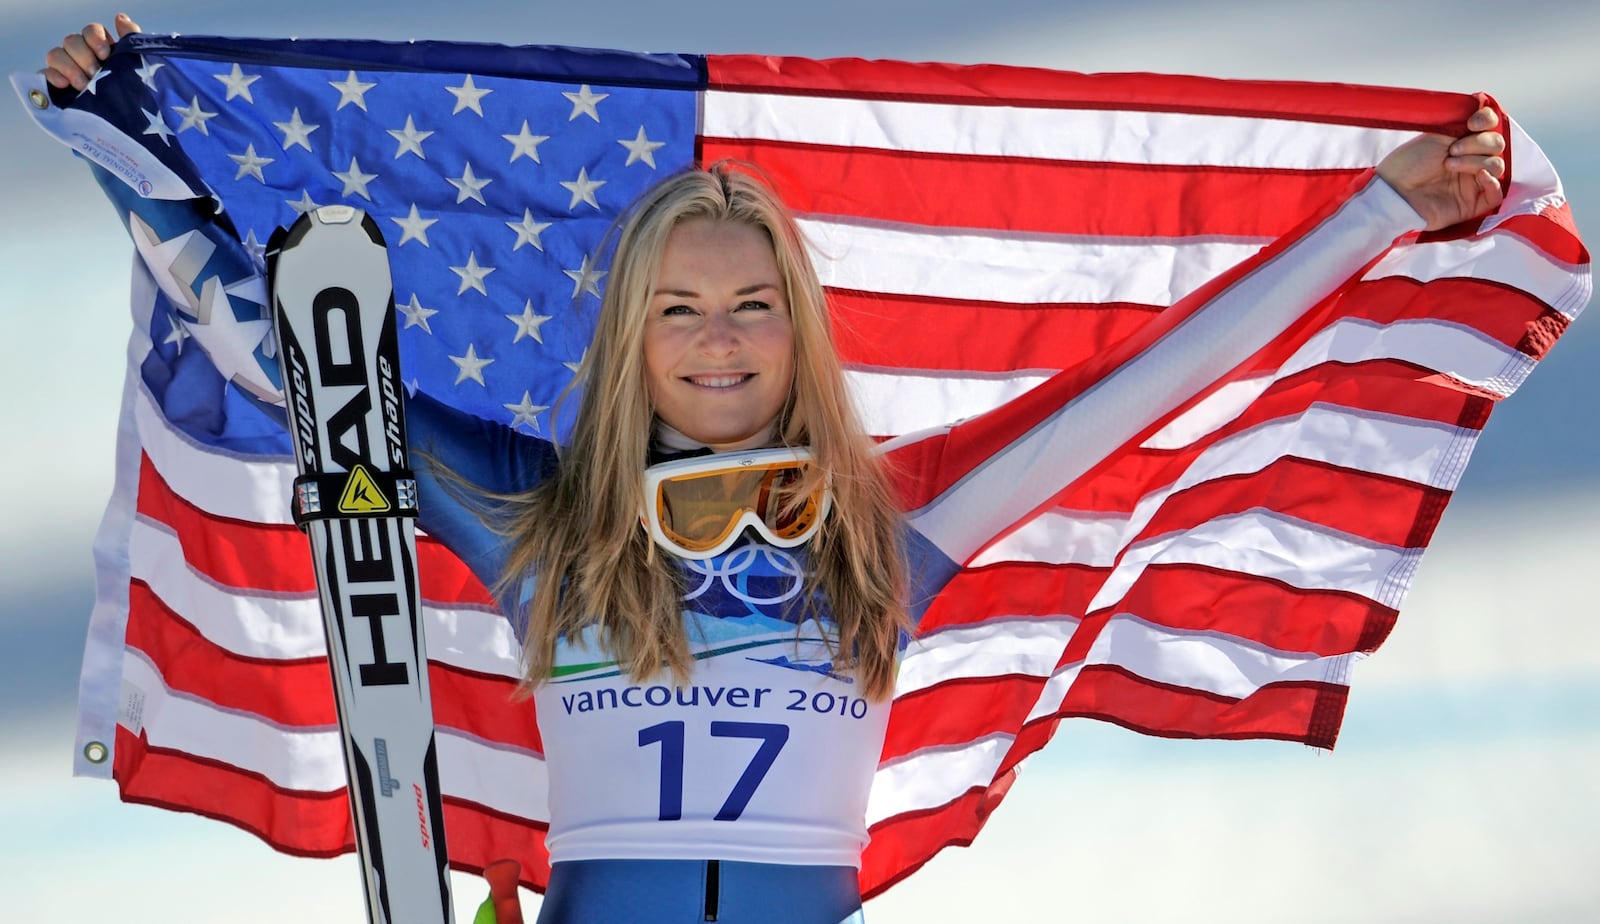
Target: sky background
(1464, 786)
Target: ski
(333, 310)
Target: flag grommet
(39, 99)
(95, 752)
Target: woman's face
(718, 342)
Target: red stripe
(483, 706)
(1190, 598)
(305, 824)
(299, 693)
(1297, 711)
(1554, 231)
(291, 693)
(1061, 197)
(970, 336)
(309, 824)
(1382, 387)
(1495, 309)
(931, 466)
(999, 85)
(977, 336)
(478, 836)
(902, 844)
(958, 711)
(1197, 598)
(276, 558)
(1367, 506)
(1013, 589)
(234, 553)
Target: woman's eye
(676, 311)
(754, 306)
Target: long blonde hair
(579, 533)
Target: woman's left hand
(1449, 180)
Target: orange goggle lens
(701, 505)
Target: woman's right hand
(75, 60)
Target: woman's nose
(719, 335)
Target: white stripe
(1421, 452)
(283, 627)
(1270, 545)
(934, 776)
(1209, 661)
(311, 759)
(908, 260)
(1055, 691)
(508, 780)
(1501, 256)
(251, 488)
(255, 625)
(1063, 537)
(1094, 135)
(1460, 352)
(1463, 353)
(308, 759)
(996, 647)
(891, 403)
(1185, 362)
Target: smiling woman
(711, 725)
(718, 344)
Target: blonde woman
(713, 581)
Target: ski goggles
(697, 508)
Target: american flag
(990, 238)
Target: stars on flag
(305, 203)
(352, 91)
(525, 413)
(583, 189)
(416, 315)
(469, 186)
(194, 116)
(258, 250)
(250, 164)
(238, 83)
(147, 71)
(178, 333)
(330, 145)
(641, 149)
(470, 366)
(94, 82)
(410, 140)
(355, 181)
(525, 143)
(472, 275)
(296, 132)
(158, 126)
(527, 231)
(585, 102)
(585, 278)
(528, 323)
(468, 96)
(414, 227)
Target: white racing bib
(764, 755)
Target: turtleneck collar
(668, 443)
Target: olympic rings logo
(737, 564)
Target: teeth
(717, 381)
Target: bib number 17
(670, 736)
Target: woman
(712, 652)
